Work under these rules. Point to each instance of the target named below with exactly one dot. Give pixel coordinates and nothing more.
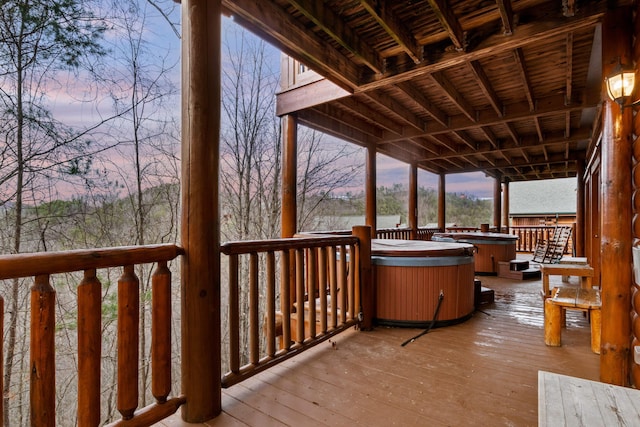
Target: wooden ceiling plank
(546, 107)
(382, 13)
(416, 94)
(350, 120)
(512, 133)
(276, 26)
(320, 122)
(485, 86)
(528, 34)
(521, 69)
(332, 24)
(363, 110)
(396, 109)
(460, 135)
(449, 22)
(506, 14)
(454, 95)
(491, 137)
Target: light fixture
(620, 85)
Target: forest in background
(90, 157)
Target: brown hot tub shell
(409, 276)
(491, 248)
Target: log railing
(528, 237)
(317, 297)
(41, 267)
(404, 233)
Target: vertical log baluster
(285, 300)
(254, 330)
(351, 278)
(333, 288)
(42, 346)
(234, 315)
(312, 279)
(128, 341)
(300, 296)
(322, 288)
(161, 332)
(89, 348)
(271, 304)
(342, 283)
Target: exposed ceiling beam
(527, 34)
(485, 86)
(506, 14)
(448, 20)
(455, 96)
(382, 13)
(332, 24)
(521, 69)
(413, 92)
(275, 25)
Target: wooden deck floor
(481, 372)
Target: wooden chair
(551, 251)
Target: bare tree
(40, 40)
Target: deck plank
(480, 372)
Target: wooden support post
(367, 290)
(505, 205)
(413, 200)
(442, 204)
(289, 175)
(578, 237)
(43, 362)
(200, 230)
(370, 191)
(616, 207)
(497, 203)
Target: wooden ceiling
(508, 87)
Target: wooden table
(570, 298)
(569, 401)
(585, 272)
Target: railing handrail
(33, 264)
(291, 243)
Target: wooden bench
(572, 260)
(569, 298)
(585, 272)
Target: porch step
(482, 295)
(506, 271)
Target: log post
(442, 204)
(616, 208)
(578, 237)
(505, 205)
(413, 200)
(289, 212)
(370, 191)
(497, 203)
(200, 229)
(42, 346)
(367, 293)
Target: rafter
(332, 24)
(506, 14)
(485, 86)
(521, 69)
(449, 22)
(273, 24)
(381, 12)
(455, 96)
(413, 92)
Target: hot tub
(491, 248)
(409, 276)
